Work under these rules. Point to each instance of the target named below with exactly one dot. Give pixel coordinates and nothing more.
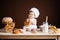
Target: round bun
(7, 19)
(16, 31)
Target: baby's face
(31, 15)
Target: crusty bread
(26, 24)
(16, 31)
(9, 27)
(53, 28)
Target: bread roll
(16, 31)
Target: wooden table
(29, 35)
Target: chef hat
(36, 12)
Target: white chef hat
(36, 12)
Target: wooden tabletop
(29, 35)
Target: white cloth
(30, 27)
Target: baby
(31, 23)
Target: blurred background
(19, 10)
